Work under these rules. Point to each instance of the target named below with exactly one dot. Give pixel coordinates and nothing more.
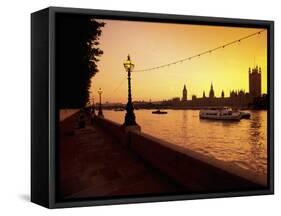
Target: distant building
(176, 99)
(255, 81)
(184, 94)
(237, 98)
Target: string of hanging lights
(193, 56)
(202, 53)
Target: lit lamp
(100, 114)
(130, 119)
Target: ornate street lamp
(130, 119)
(100, 114)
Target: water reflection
(184, 126)
(258, 141)
(243, 143)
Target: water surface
(243, 143)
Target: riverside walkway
(93, 164)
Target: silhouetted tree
(77, 53)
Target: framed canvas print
(139, 107)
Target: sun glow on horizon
(152, 44)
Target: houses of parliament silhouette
(237, 98)
(254, 99)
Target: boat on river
(224, 113)
(245, 115)
(119, 109)
(159, 112)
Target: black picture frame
(44, 113)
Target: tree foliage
(77, 54)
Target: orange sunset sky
(152, 44)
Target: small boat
(119, 109)
(159, 112)
(224, 113)
(245, 115)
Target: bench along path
(93, 164)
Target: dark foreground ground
(92, 164)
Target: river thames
(243, 143)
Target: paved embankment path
(92, 164)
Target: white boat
(224, 113)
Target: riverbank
(94, 164)
(103, 159)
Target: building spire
(222, 94)
(184, 93)
(211, 93)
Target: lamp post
(100, 114)
(130, 119)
